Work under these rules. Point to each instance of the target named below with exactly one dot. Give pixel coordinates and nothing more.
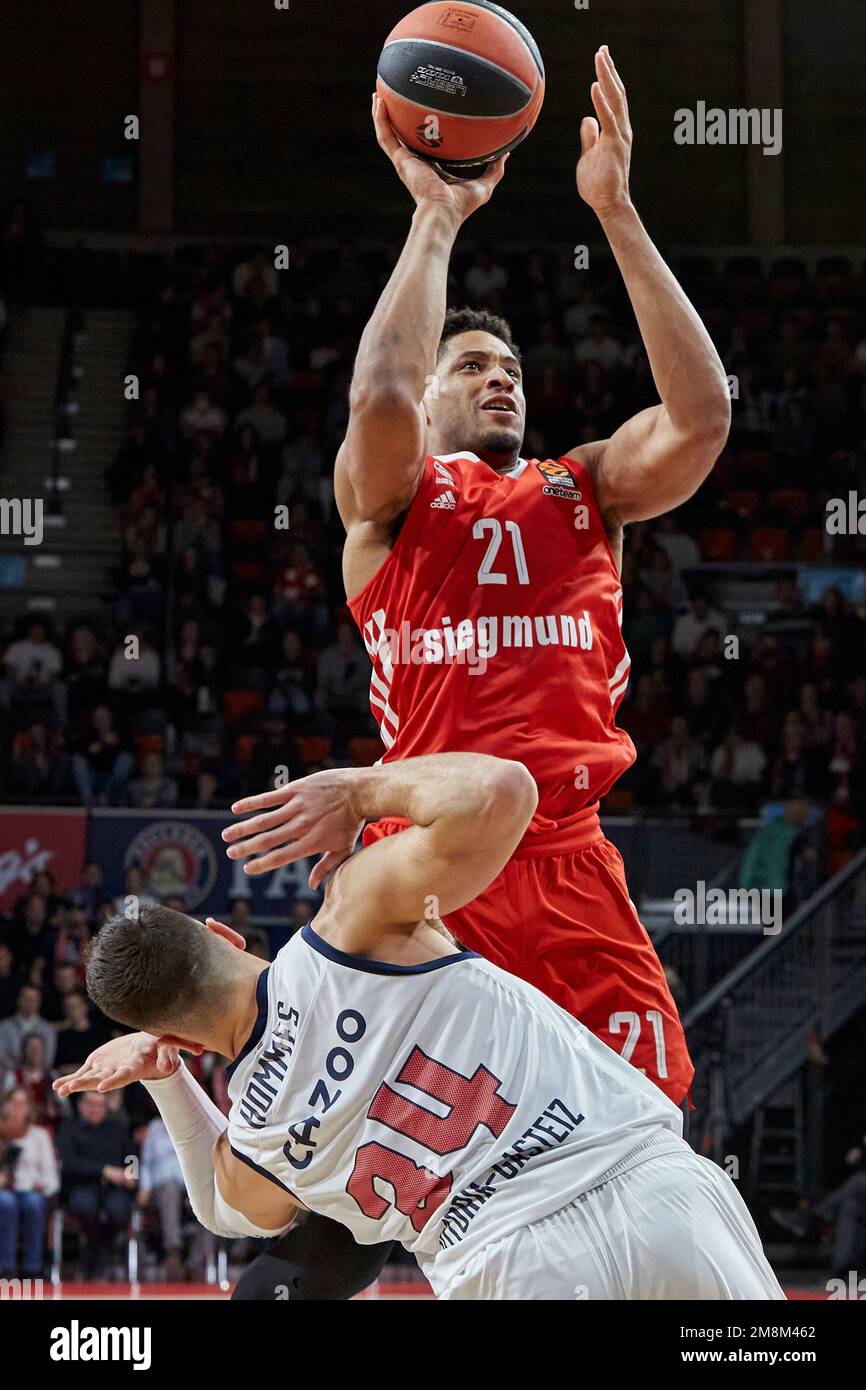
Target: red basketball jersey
(494, 626)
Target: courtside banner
(181, 853)
(30, 841)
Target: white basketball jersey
(442, 1105)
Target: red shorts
(559, 916)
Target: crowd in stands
(229, 651)
(97, 1156)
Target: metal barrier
(752, 1031)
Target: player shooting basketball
(506, 571)
(410, 1090)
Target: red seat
(247, 571)
(792, 502)
(769, 543)
(365, 751)
(245, 745)
(238, 703)
(745, 502)
(147, 743)
(248, 533)
(812, 544)
(755, 463)
(718, 545)
(314, 748)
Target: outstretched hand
(311, 816)
(134, 1057)
(422, 180)
(605, 144)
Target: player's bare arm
(656, 460)
(468, 813)
(380, 462)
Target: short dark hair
(159, 971)
(476, 321)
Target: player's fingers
(492, 175)
(263, 801)
(326, 865)
(615, 92)
(279, 858)
(384, 129)
(270, 839)
(606, 118)
(65, 1084)
(166, 1058)
(268, 820)
(588, 134)
(611, 68)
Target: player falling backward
(447, 525)
(410, 1089)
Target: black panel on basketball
(459, 83)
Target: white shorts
(675, 1227)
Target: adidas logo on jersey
(442, 474)
(446, 501)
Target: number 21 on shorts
(624, 1019)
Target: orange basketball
(461, 83)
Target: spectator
(40, 765)
(268, 422)
(94, 1148)
(680, 759)
(344, 676)
(28, 1177)
(796, 771)
(10, 981)
(161, 1186)
(79, 1036)
(33, 664)
(737, 767)
(73, 939)
(33, 1076)
(90, 894)
(133, 670)
(153, 788)
(134, 891)
(690, 626)
(103, 764)
(64, 979)
(31, 937)
(26, 1020)
(484, 276)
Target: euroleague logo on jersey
(558, 482)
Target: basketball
(462, 84)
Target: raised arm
(380, 461)
(226, 1197)
(660, 457)
(468, 813)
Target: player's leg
(672, 1228)
(685, 1233)
(317, 1260)
(587, 949)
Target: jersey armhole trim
(355, 603)
(378, 967)
(590, 482)
(259, 1025)
(263, 1172)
